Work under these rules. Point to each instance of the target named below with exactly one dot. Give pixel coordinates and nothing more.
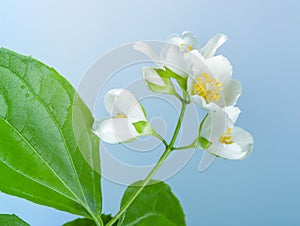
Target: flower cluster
(205, 80)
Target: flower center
(226, 137)
(190, 48)
(119, 115)
(207, 88)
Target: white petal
(146, 49)
(191, 58)
(150, 75)
(186, 41)
(230, 151)
(115, 130)
(221, 69)
(212, 45)
(198, 68)
(244, 139)
(110, 99)
(122, 101)
(240, 149)
(232, 112)
(200, 101)
(190, 40)
(231, 92)
(215, 125)
(173, 57)
(175, 39)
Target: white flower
(221, 138)
(170, 56)
(158, 81)
(206, 77)
(176, 54)
(128, 120)
(188, 42)
(211, 82)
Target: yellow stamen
(207, 88)
(226, 137)
(190, 48)
(182, 45)
(119, 115)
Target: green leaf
(155, 205)
(47, 147)
(172, 74)
(162, 73)
(80, 222)
(11, 220)
(182, 82)
(168, 88)
(87, 222)
(106, 218)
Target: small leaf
(87, 222)
(155, 205)
(47, 146)
(162, 73)
(80, 222)
(166, 85)
(167, 89)
(172, 74)
(11, 220)
(182, 81)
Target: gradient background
(264, 49)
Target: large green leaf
(46, 145)
(11, 220)
(155, 205)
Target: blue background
(264, 49)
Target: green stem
(154, 133)
(96, 218)
(192, 145)
(97, 221)
(145, 182)
(178, 124)
(183, 147)
(179, 97)
(142, 186)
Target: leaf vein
(28, 143)
(61, 134)
(20, 172)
